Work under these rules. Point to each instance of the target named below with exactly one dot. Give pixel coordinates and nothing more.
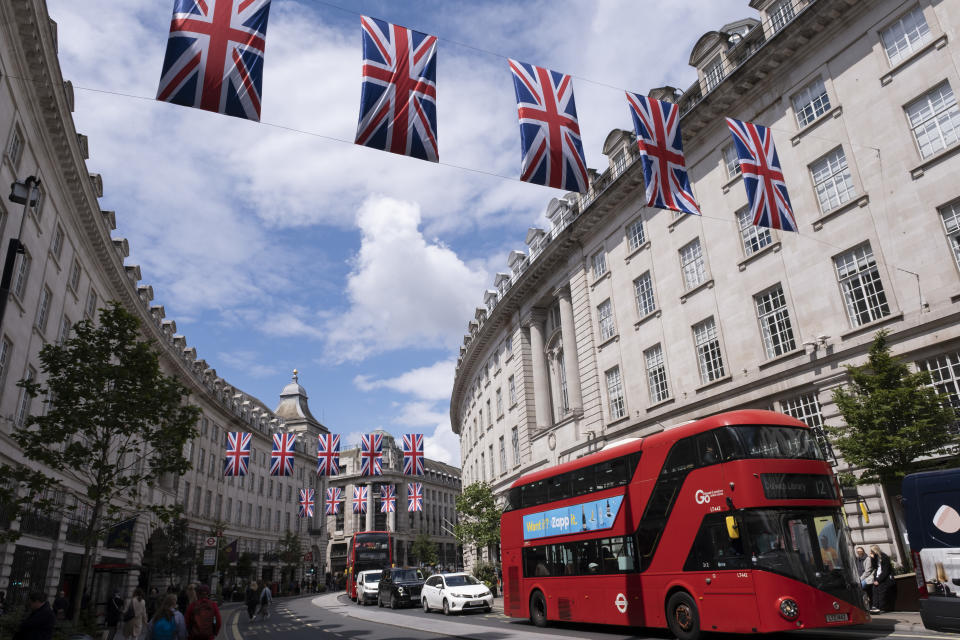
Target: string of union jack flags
(214, 61)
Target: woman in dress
(884, 586)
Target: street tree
(478, 524)
(424, 549)
(171, 551)
(111, 427)
(290, 553)
(894, 419)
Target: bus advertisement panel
(732, 523)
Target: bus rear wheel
(682, 616)
(538, 610)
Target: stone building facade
(441, 486)
(621, 320)
(71, 266)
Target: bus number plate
(838, 617)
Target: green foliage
(245, 565)
(479, 516)
(893, 417)
(171, 551)
(424, 549)
(485, 573)
(290, 552)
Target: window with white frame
(599, 262)
(752, 236)
(23, 405)
(23, 272)
(615, 394)
(91, 307)
(707, 343)
(731, 161)
(636, 235)
(692, 265)
(619, 162)
(56, 247)
(6, 347)
(860, 283)
(15, 146)
(508, 345)
(499, 395)
(944, 373)
(37, 208)
(75, 271)
(775, 327)
(656, 374)
(605, 320)
(811, 102)
(503, 455)
(512, 390)
(950, 215)
(489, 414)
(905, 36)
(643, 291)
(713, 73)
(43, 308)
(831, 179)
(806, 409)
(483, 466)
(493, 470)
(780, 14)
(935, 120)
(515, 444)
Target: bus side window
(713, 548)
(558, 487)
(535, 562)
(730, 447)
(707, 450)
(535, 493)
(681, 458)
(612, 473)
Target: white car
(367, 584)
(455, 592)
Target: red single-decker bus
(367, 550)
(732, 523)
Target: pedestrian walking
(266, 597)
(39, 623)
(203, 616)
(114, 614)
(251, 598)
(60, 604)
(865, 572)
(884, 586)
(167, 622)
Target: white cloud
(429, 383)
(403, 291)
(249, 361)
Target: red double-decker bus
(367, 550)
(731, 523)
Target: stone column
(571, 364)
(541, 386)
(370, 514)
(392, 515)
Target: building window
(691, 262)
(512, 390)
(503, 455)
(935, 120)
(731, 161)
(636, 235)
(605, 320)
(780, 14)
(5, 348)
(186, 496)
(713, 73)
(656, 374)
(37, 209)
(615, 394)
(23, 406)
(860, 283)
(831, 179)
(15, 146)
(75, 270)
(619, 162)
(43, 308)
(599, 262)
(489, 414)
(56, 247)
(499, 403)
(950, 215)
(806, 408)
(708, 350)
(493, 469)
(23, 272)
(515, 445)
(811, 102)
(774, 322)
(508, 345)
(944, 373)
(905, 36)
(91, 308)
(753, 237)
(643, 291)
(483, 467)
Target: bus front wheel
(682, 616)
(538, 609)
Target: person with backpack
(266, 597)
(203, 616)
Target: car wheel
(426, 607)
(393, 601)
(682, 616)
(446, 607)
(379, 600)
(538, 609)
(488, 609)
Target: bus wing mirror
(732, 529)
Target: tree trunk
(886, 489)
(89, 540)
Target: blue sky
(277, 245)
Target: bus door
(718, 555)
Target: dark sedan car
(399, 588)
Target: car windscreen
(372, 577)
(406, 575)
(461, 581)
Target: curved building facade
(622, 320)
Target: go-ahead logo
(703, 497)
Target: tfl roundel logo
(703, 497)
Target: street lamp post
(26, 193)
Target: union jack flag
(551, 150)
(334, 496)
(328, 454)
(398, 102)
(388, 498)
(306, 503)
(214, 57)
(415, 496)
(413, 454)
(762, 176)
(359, 499)
(281, 459)
(657, 125)
(371, 454)
(238, 454)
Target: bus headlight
(789, 608)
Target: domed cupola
(294, 410)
